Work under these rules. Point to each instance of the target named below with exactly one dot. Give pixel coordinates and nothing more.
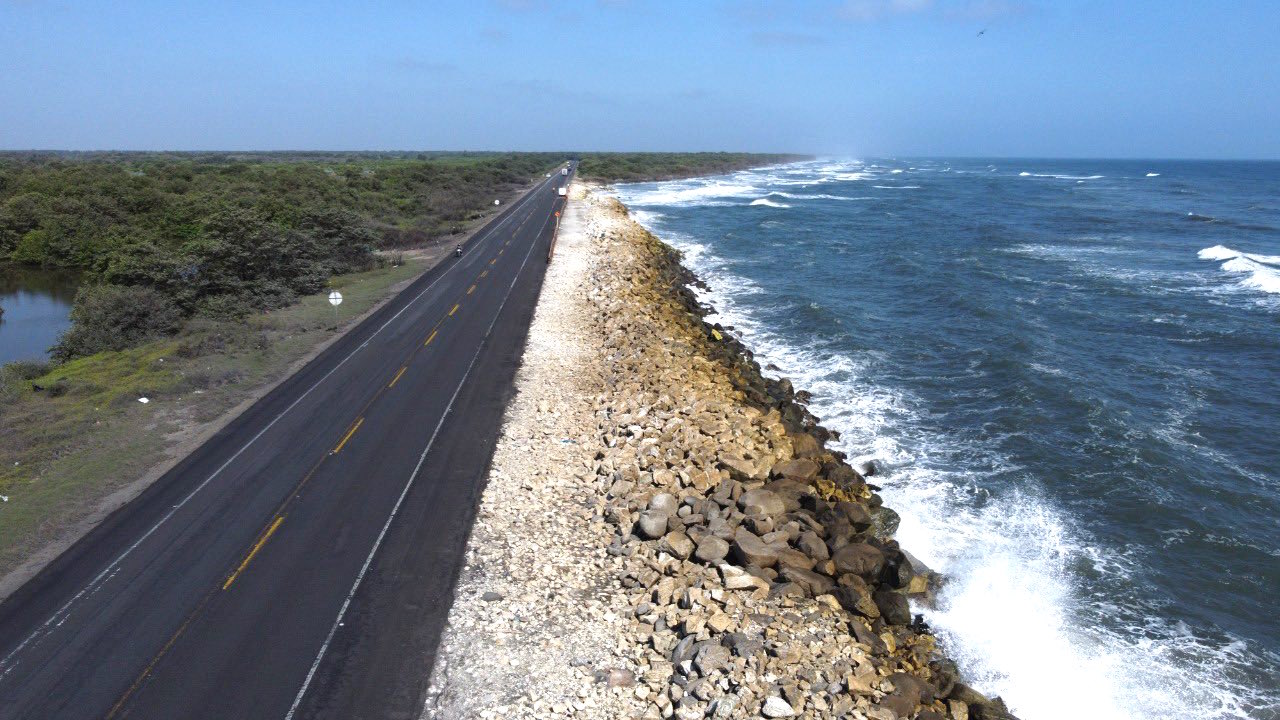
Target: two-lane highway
(301, 563)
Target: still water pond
(36, 308)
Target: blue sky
(856, 77)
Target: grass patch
(84, 434)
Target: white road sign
(335, 298)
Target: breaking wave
(1261, 272)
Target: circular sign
(335, 298)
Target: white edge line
(53, 619)
(337, 622)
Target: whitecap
(897, 187)
(1153, 174)
(1259, 271)
(769, 203)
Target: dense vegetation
(636, 167)
(163, 237)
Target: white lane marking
(337, 622)
(57, 618)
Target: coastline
(756, 570)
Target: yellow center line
(254, 551)
(454, 309)
(485, 273)
(471, 289)
(397, 377)
(493, 261)
(430, 337)
(345, 438)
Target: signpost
(335, 299)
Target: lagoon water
(37, 308)
(1069, 372)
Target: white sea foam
(769, 203)
(692, 193)
(1012, 613)
(1153, 174)
(1260, 271)
(896, 187)
(1061, 177)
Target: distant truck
(562, 192)
(564, 171)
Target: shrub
(113, 317)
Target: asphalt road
(301, 563)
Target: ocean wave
(1153, 174)
(1061, 177)
(766, 202)
(1259, 271)
(896, 187)
(690, 193)
(818, 196)
(1013, 613)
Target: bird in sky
(982, 32)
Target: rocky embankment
(665, 534)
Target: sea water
(1068, 373)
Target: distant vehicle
(564, 171)
(548, 174)
(562, 192)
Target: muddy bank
(730, 565)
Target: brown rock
(893, 607)
(801, 469)
(812, 583)
(678, 544)
(761, 502)
(751, 550)
(810, 544)
(856, 513)
(711, 549)
(860, 559)
(804, 445)
(857, 600)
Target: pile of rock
(665, 533)
(762, 572)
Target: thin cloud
(418, 65)
(986, 10)
(873, 10)
(785, 39)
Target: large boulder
(894, 607)
(857, 599)
(678, 544)
(652, 524)
(748, 549)
(859, 559)
(884, 522)
(761, 502)
(812, 583)
(804, 445)
(856, 513)
(801, 469)
(711, 549)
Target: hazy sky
(859, 77)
